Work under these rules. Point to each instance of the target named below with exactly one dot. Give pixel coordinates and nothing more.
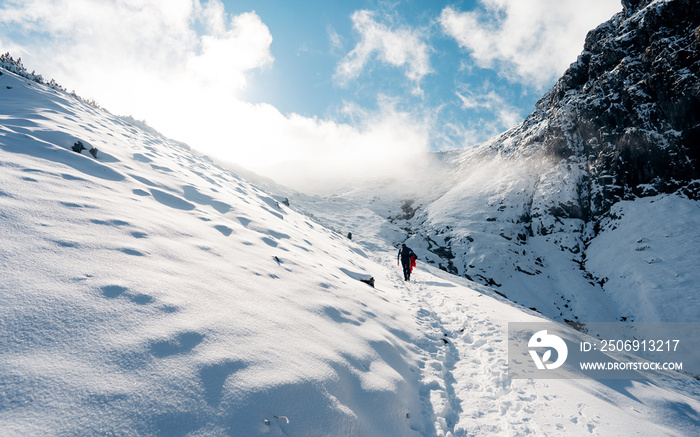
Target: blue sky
(304, 80)
(306, 56)
(279, 84)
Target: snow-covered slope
(152, 292)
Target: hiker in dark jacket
(405, 256)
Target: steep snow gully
(149, 291)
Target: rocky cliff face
(622, 123)
(628, 110)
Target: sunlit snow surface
(152, 292)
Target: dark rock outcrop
(630, 105)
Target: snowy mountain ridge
(620, 127)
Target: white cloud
(399, 48)
(317, 155)
(181, 65)
(506, 115)
(336, 41)
(320, 155)
(531, 41)
(228, 54)
(488, 114)
(90, 43)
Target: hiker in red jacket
(407, 257)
